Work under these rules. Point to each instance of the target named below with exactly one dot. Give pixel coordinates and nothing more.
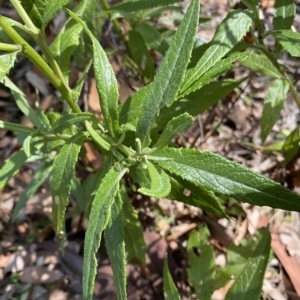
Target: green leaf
(22, 103)
(224, 65)
(228, 34)
(86, 10)
(236, 258)
(71, 119)
(16, 127)
(222, 176)
(166, 83)
(12, 166)
(261, 64)
(106, 82)
(199, 196)
(289, 40)
(131, 6)
(155, 13)
(133, 106)
(134, 239)
(63, 47)
(248, 284)
(115, 246)
(198, 101)
(291, 145)
(27, 146)
(170, 290)
(98, 220)
(39, 177)
(35, 9)
(152, 37)
(140, 54)
(7, 61)
(202, 267)
(159, 182)
(61, 178)
(284, 14)
(251, 4)
(273, 105)
(50, 9)
(174, 126)
(154, 182)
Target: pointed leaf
(291, 145)
(134, 239)
(154, 182)
(35, 9)
(199, 197)
(16, 127)
(106, 82)
(51, 8)
(26, 145)
(140, 54)
(170, 290)
(261, 64)
(202, 267)
(39, 177)
(284, 14)
(12, 166)
(228, 178)
(61, 178)
(131, 6)
(22, 103)
(251, 4)
(166, 83)
(198, 101)
(289, 40)
(224, 65)
(115, 246)
(228, 34)
(248, 284)
(71, 119)
(98, 220)
(133, 106)
(152, 37)
(174, 126)
(236, 259)
(7, 61)
(64, 45)
(273, 105)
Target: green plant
(129, 139)
(246, 264)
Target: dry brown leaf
(289, 263)
(17, 261)
(179, 230)
(272, 291)
(4, 260)
(289, 237)
(221, 293)
(267, 3)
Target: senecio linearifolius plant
(129, 139)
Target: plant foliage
(135, 138)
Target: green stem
(124, 149)
(9, 47)
(24, 16)
(282, 72)
(96, 137)
(37, 60)
(40, 40)
(55, 137)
